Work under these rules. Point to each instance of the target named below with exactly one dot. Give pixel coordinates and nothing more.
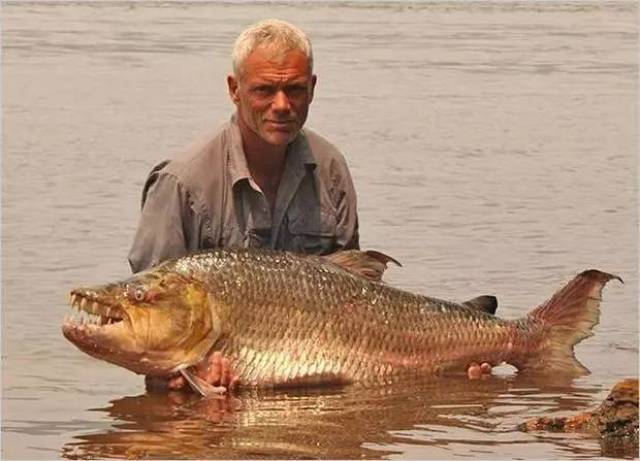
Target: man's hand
(217, 371)
(476, 371)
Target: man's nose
(281, 101)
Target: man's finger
(474, 372)
(215, 368)
(176, 383)
(234, 382)
(485, 368)
(225, 372)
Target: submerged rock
(615, 421)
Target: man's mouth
(282, 123)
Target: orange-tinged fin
(569, 317)
(369, 264)
(201, 386)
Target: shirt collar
(238, 168)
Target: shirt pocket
(312, 233)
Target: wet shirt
(206, 198)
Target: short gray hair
(270, 32)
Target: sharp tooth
(109, 321)
(83, 303)
(94, 307)
(99, 321)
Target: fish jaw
(153, 324)
(100, 329)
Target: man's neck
(265, 161)
(263, 158)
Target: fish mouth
(100, 327)
(90, 312)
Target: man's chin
(279, 138)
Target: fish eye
(138, 294)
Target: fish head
(154, 323)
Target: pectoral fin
(200, 386)
(485, 303)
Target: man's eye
(263, 90)
(296, 90)
(136, 294)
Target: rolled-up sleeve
(166, 223)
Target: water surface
(493, 146)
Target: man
(261, 180)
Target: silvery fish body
(290, 319)
(286, 319)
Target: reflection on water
(493, 145)
(349, 423)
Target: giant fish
(291, 320)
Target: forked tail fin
(566, 319)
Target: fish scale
(290, 298)
(286, 319)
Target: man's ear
(232, 85)
(314, 80)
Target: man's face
(273, 94)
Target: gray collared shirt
(206, 198)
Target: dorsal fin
(485, 303)
(369, 264)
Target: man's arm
(347, 234)
(165, 222)
(169, 228)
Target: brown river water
(494, 149)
